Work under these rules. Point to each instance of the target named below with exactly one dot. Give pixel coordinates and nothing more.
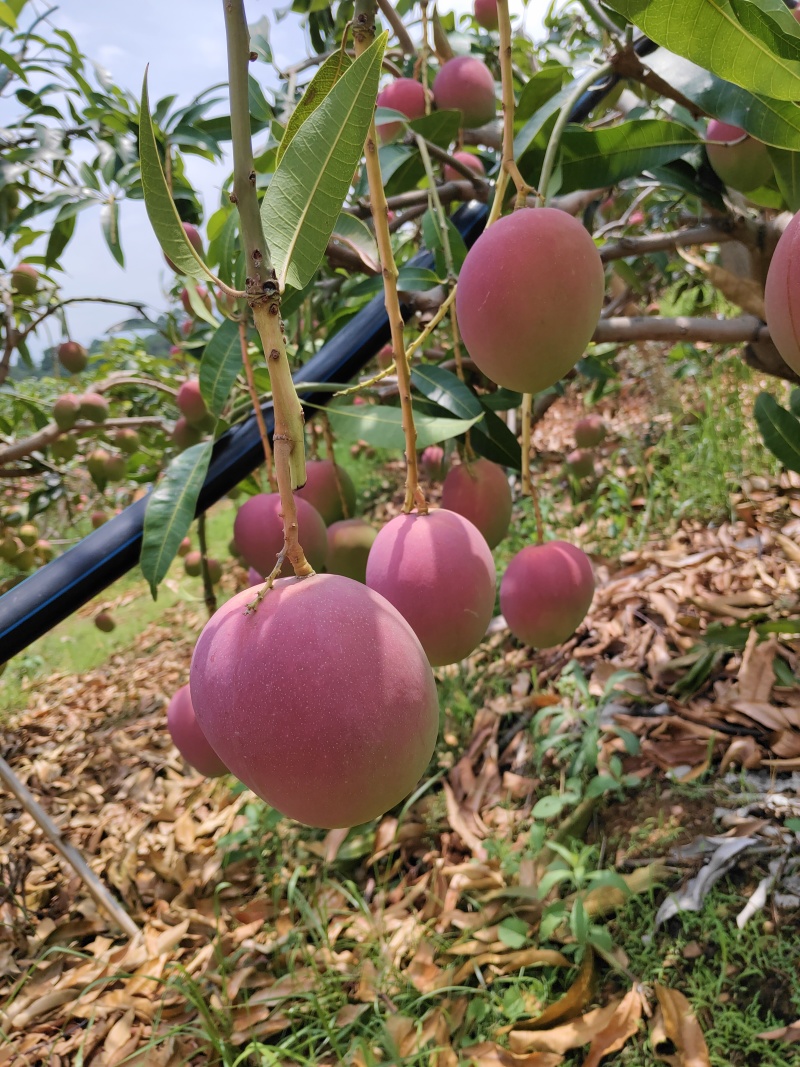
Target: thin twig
(364, 34)
(208, 586)
(262, 426)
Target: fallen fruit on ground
(337, 729)
(780, 295)
(466, 84)
(480, 492)
(545, 593)
(590, 431)
(188, 737)
(72, 356)
(322, 492)
(349, 544)
(404, 95)
(104, 621)
(185, 547)
(529, 298)
(193, 563)
(743, 164)
(438, 571)
(214, 570)
(258, 533)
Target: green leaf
(7, 16)
(780, 430)
(305, 196)
(538, 89)
(787, 174)
(794, 402)
(513, 932)
(775, 122)
(382, 427)
(416, 279)
(170, 511)
(447, 390)
(221, 362)
(440, 127)
(316, 91)
(109, 223)
(733, 39)
(160, 207)
(492, 439)
(357, 235)
(594, 158)
(539, 119)
(197, 305)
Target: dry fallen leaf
(569, 1035)
(681, 1027)
(623, 1024)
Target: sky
(183, 42)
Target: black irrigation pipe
(55, 591)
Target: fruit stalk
(262, 426)
(420, 340)
(509, 165)
(263, 294)
(328, 435)
(208, 585)
(363, 35)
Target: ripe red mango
(338, 727)
(439, 573)
(545, 593)
(404, 95)
(322, 493)
(466, 84)
(529, 298)
(258, 533)
(480, 492)
(188, 737)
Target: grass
(687, 466)
(739, 982)
(75, 645)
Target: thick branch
(628, 65)
(744, 328)
(745, 230)
(44, 437)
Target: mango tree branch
(363, 34)
(745, 230)
(714, 331)
(51, 432)
(399, 30)
(263, 294)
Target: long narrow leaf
(160, 207)
(170, 511)
(221, 362)
(316, 91)
(780, 430)
(305, 196)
